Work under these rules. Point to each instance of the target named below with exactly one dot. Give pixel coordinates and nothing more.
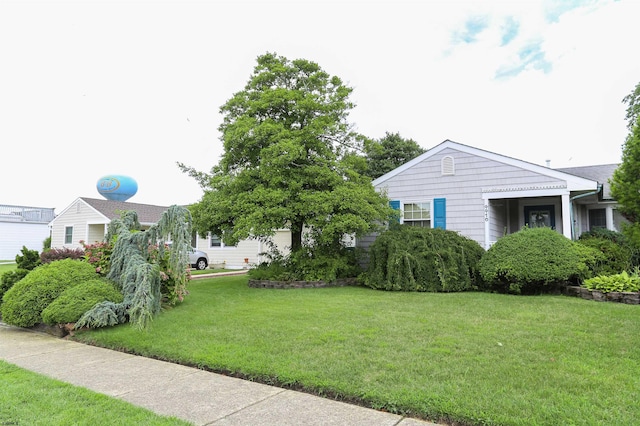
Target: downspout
(571, 200)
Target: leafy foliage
(288, 161)
(46, 244)
(51, 255)
(136, 269)
(388, 153)
(29, 259)
(532, 260)
(616, 254)
(9, 278)
(309, 264)
(76, 300)
(99, 255)
(617, 282)
(24, 302)
(633, 107)
(625, 185)
(423, 259)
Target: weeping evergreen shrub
(531, 261)
(423, 259)
(24, 302)
(135, 268)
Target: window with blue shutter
(440, 213)
(395, 204)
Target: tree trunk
(296, 236)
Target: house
(23, 226)
(87, 219)
(484, 195)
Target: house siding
(250, 249)
(79, 215)
(15, 235)
(462, 190)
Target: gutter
(571, 200)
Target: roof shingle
(147, 213)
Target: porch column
(566, 216)
(609, 218)
(485, 202)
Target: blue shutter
(395, 204)
(440, 213)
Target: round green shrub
(76, 300)
(9, 278)
(23, 303)
(530, 261)
(423, 259)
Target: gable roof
(147, 213)
(574, 182)
(601, 173)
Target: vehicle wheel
(201, 264)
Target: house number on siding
(486, 213)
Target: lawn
(28, 398)
(7, 267)
(474, 358)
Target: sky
(93, 88)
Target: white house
(23, 226)
(86, 219)
(485, 195)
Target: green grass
(475, 358)
(7, 267)
(209, 271)
(28, 398)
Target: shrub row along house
(481, 194)
(86, 219)
(485, 195)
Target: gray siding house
(484, 195)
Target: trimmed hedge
(423, 259)
(24, 302)
(76, 300)
(532, 260)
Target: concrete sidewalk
(197, 396)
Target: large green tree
(625, 183)
(633, 107)
(288, 161)
(389, 152)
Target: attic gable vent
(447, 166)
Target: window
(597, 219)
(215, 241)
(540, 216)
(447, 166)
(68, 234)
(417, 214)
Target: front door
(539, 216)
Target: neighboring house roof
(574, 182)
(147, 214)
(601, 173)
